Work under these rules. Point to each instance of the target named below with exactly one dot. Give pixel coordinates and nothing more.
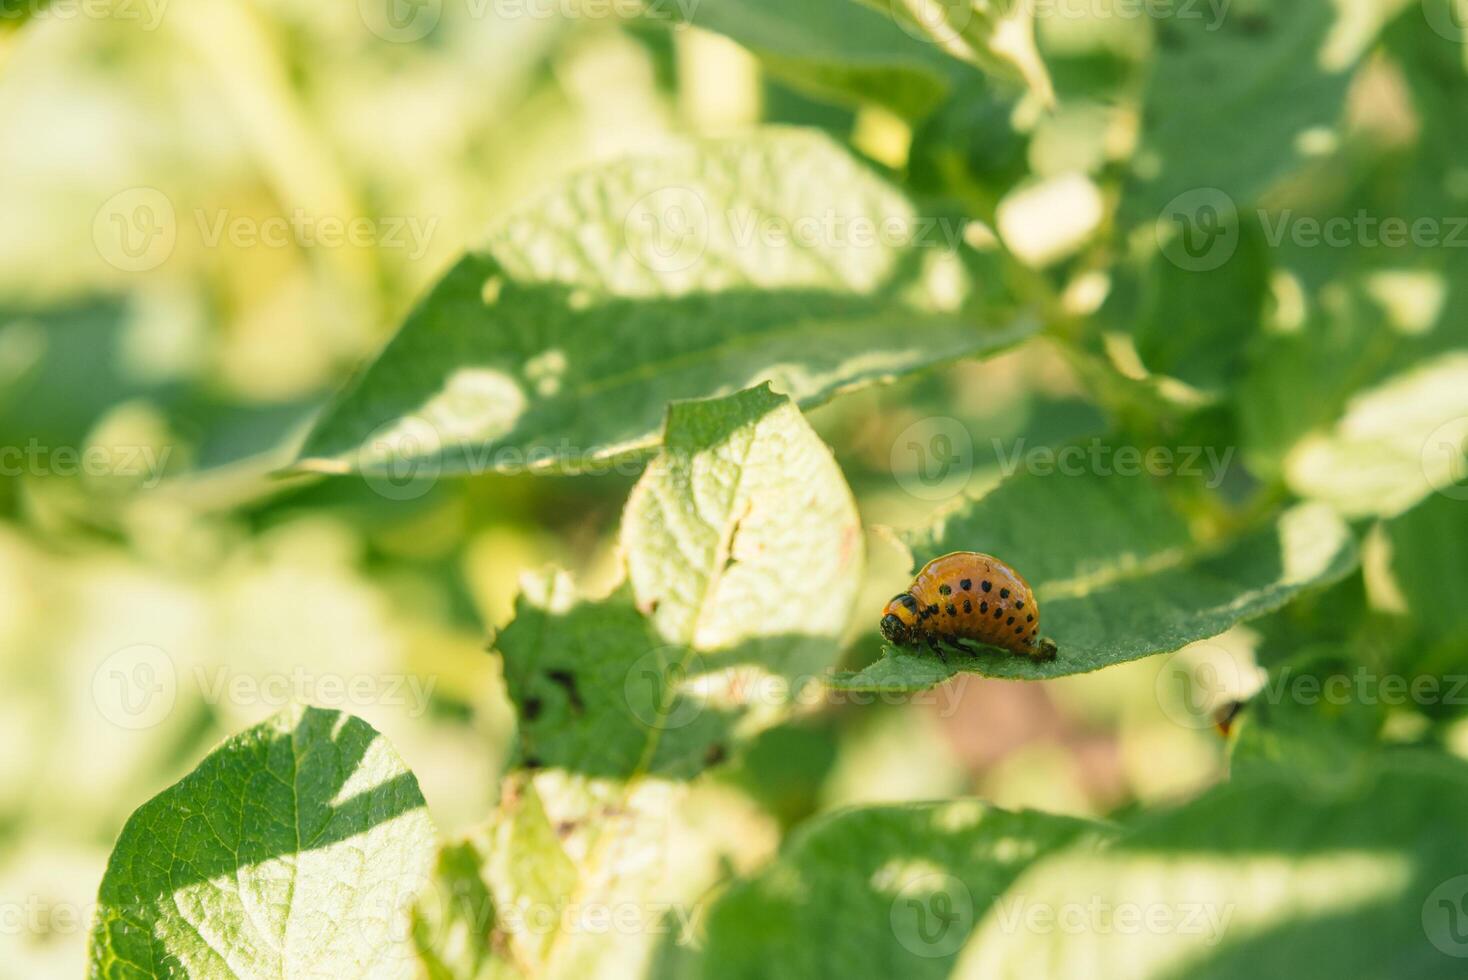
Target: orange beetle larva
(972, 596)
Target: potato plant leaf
(837, 49)
(1267, 875)
(1126, 580)
(1270, 70)
(1396, 444)
(743, 549)
(892, 890)
(296, 848)
(559, 341)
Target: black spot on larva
(568, 684)
(1030, 618)
(908, 601)
(968, 607)
(933, 609)
(1020, 604)
(1004, 593)
(952, 610)
(1018, 630)
(986, 586)
(944, 589)
(531, 711)
(966, 584)
(1009, 621)
(998, 612)
(983, 607)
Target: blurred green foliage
(1235, 230)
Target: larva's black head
(895, 630)
(899, 619)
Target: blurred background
(202, 239)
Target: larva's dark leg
(932, 639)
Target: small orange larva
(971, 596)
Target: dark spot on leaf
(716, 754)
(568, 683)
(531, 710)
(533, 762)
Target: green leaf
(575, 877)
(1395, 445)
(294, 849)
(896, 671)
(837, 49)
(995, 35)
(1196, 324)
(888, 891)
(15, 13)
(1229, 98)
(1267, 876)
(1116, 572)
(559, 342)
(744, 553)
(743, 532)
(1429, 579)
(453, 925)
